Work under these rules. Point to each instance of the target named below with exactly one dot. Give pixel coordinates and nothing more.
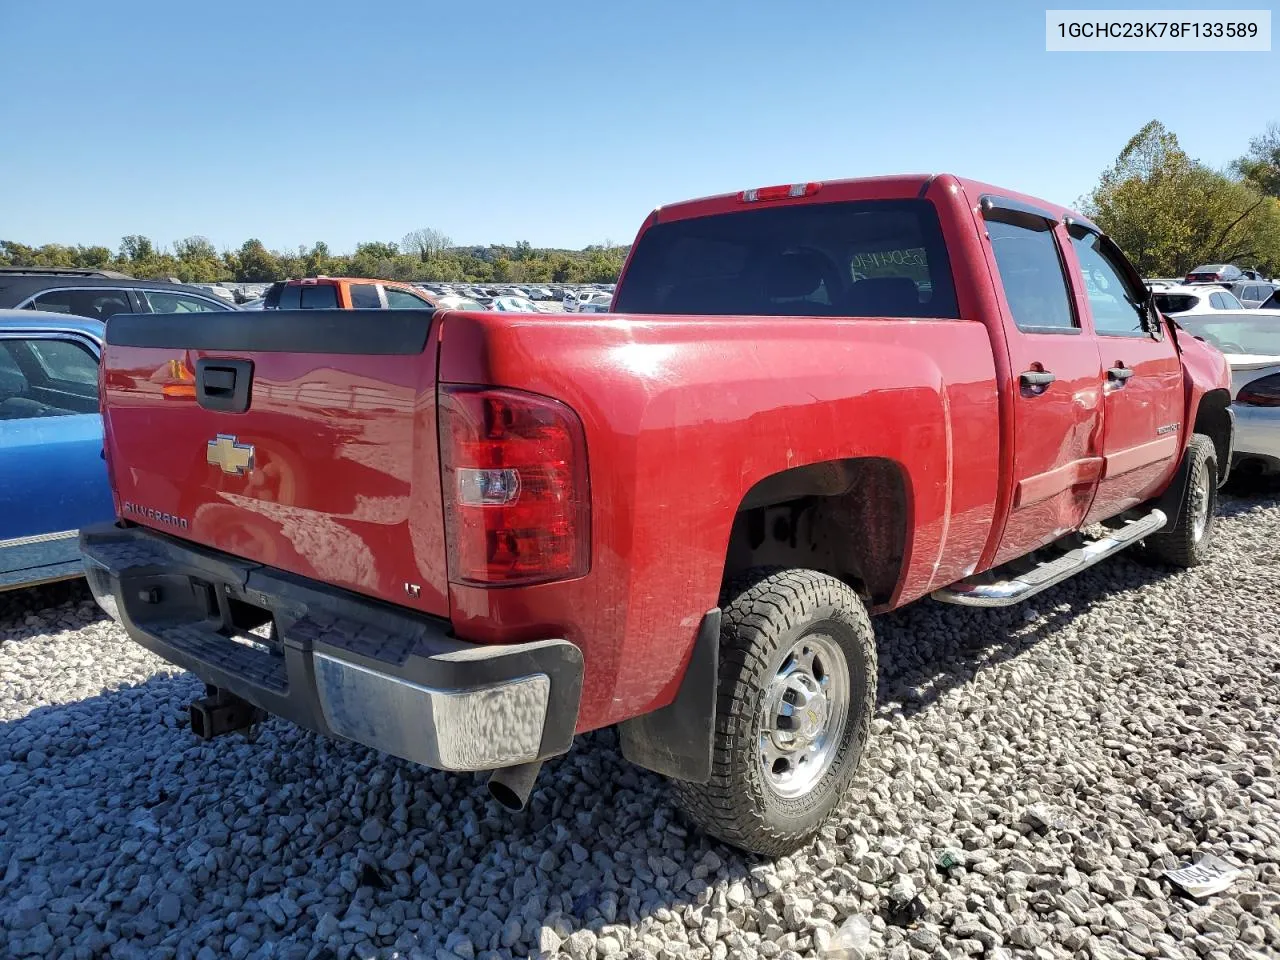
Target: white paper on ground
(1210, 875)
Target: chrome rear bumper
(337, 663)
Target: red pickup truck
(462, 538)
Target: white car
(514, 304)
(453, 302)
(1250, 341)
(596, 303)
(1178, 301)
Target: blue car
(52, 477)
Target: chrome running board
(1005, 593)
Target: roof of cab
(895, 186)
(43, 320)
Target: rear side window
(162, 301)
(1230, 302)
(404, 300)
(864, 258)
(1175, 302)
(96, 302)
(321, 296)
(1032, 274)
(364, 296)
(290, 298)
(42, 378)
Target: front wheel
(797, 689)
(1186, 542)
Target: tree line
(424, 254)
(1167, 211)
(1171, 213)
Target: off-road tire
(766, 612)
(1178, 544)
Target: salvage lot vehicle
(471, 537)
(52, 478)
(1176, 301)
(99, 294)
(345, 293)
(1251, 344)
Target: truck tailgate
(304, 440)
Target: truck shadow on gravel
(120, 826)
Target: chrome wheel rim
(1199, 502)
(803, 715)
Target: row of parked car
(52, 479)
(1238, 311)
(1244, 288)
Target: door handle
(1119, 374)
(224, 384)
(1036, 378)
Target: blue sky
(560, 123)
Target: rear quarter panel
(683, 415)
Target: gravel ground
(1066, 755)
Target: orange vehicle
(356, 293)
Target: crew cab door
(1142, 387)
(1057, 408)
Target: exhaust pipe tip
(511, 786)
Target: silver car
(1251, 343)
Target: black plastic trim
(224, 384)
(678, 740)
(991, 201)
(310, 617)
(358, 332)
(924, 187)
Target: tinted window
(1031, 272)
(321, 296)
(1176, 302)
(95, 302)
(867, 258)
(290, 298)
(364, 296)
(46, 378)
(403, 300)
(163, 301)
(1116, 308)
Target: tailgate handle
(224, 384)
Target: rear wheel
(797, 689)
(1186, 543)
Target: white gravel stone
(1067, 759)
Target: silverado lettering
(473, 535)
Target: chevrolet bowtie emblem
(223, 451)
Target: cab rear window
(864, 258)
(320, 296)
(1175, 302)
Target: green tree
(93, 257)
(137, 249)
(257, 264)
(1260, 167)
(426, 244)
(1169, 212)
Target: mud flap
(677, 740)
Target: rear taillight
(783, 191)
(517, 504)
(1263, 392)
